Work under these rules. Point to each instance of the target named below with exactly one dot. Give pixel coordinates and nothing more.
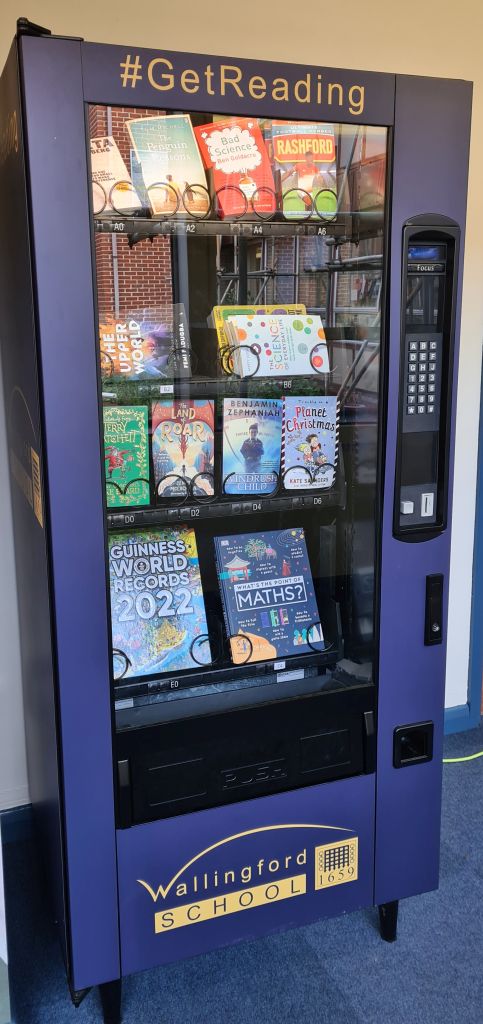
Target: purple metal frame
(59, 76)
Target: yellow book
(220, 314)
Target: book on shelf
(157, 608)
(310, 437)
(234, 150)
(126, 454)
(183, 447)
(152, 344)
(219, 316)
(108, 169)
(305, 168)
(268, 595)
(252, 430)
(170, 163)
(276, 346)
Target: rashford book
(310, 436)
(305, 168)
(268, 595)
(146, 345)
(219, 316)
(157, 608)
(109, 170)
(183, 447)
(234, 150)
(170, 163)
(126, 453)
(252, 431)
(277, 346)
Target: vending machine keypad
(422, 391)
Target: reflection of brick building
(128, 279)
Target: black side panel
(23, 424)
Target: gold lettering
(257, 87)
(226, 80)
(303, 83)
(190, 80)
(356, 107)
(189, 913)
(164, 77)
(209, 80)
(282, 88)
(330, 89)
(232, 903)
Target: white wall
(434, 38)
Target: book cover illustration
(183, 447)
(126, 454)
(235, 151)
(157, 609)
(146, 345)
(305, 165)
(252, 431)
(219, 315)
(276, 346)
(268, 595)
(108, 169)
(171, 165)
(310, 435)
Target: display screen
(427, 253)
(240, 312)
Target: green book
(126, 453)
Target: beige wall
(434, 38)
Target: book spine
(282, 442)
(336, 449)
(224, 602)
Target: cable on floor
(457, 760)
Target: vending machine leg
(111, 993)
(388, 920)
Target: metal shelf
(138, 228)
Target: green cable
(456, 760)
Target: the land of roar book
(252, 431)
(183, 447)
(145, 345)
(126, 454)
(310, 436)
(157, 608)
(171, 165)
(219, 315)
(268, 595)
(277, 346)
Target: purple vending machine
(230, 301)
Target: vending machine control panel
(430, 249)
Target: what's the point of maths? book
(268, 595)
(158, 616)
(126, 453)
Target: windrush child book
(310, 434)
(251, 445)
(183, 446)
(268, 595)
(157, 608)
(126, 453)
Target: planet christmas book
(277, 346)
(252, 429)
(157, 609)
(148, 345)
(310, 435)
(268, 595)
(183, 447)
(126, 453)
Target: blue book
(252, 435)
(157, 609)
(268, 595)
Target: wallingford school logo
(207, 887)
